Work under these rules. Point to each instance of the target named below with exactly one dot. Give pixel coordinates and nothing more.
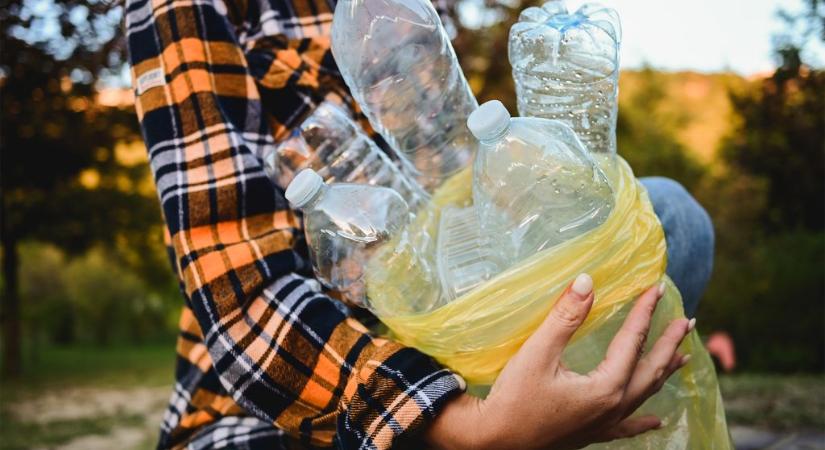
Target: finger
(563, 320)
(665, 347)
(676, 362)
(638, 392)
(654, 366)
(625, 349)
(630, 427)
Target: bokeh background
(726, 97)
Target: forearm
(455, 426)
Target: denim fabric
(689, 235)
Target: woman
(265, 358)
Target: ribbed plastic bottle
(534, 184)
(397, 60)
(566, 67)
(465, 255)
(331, 143)
(346, 224)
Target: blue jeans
(689, 236)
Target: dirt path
(123, 437)
(131, 416)
(84, 403)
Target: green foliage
(52, 127)
(770, 299)
(93, 297)
(109, 300)
(52, 132)
(47, 313)
(781, 139)
(768, 205)
(646, 137)
(63, 180)
(120, 365)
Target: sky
(701, 35)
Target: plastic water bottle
(534, 183)
(465, 256)
(331, 143)
(399, 64)
(566, 67)
(345, 224)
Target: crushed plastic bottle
(465, 255)
(534, 183)
(399, 64)
(566, 67)
(345, 224)
(331, 143)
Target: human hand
(537, 403)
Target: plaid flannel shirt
(264, 356)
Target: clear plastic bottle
(534, 184)
(566, 67)
(331, 143)
(346, 224)
(399, 64)
(465, 255)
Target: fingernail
(691, 324)
(661, 424)
(685, 360)
(661, 289)
(582, 285)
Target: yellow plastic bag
(476, 334)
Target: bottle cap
(303, 187)
(488, 120)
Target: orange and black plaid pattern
(265, 358)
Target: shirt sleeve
(287, 353)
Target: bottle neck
(316, 198)
(497, 135)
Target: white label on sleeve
(151, 79)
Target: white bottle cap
(303, 187)
(488, 120)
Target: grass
(84, 366)
(777, 402)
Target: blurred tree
(60, 176)
(482, 46)
(768, 203)
(110, 301)
(646, 133)
(43, 291)
(781, 133)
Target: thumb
(564, 319)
